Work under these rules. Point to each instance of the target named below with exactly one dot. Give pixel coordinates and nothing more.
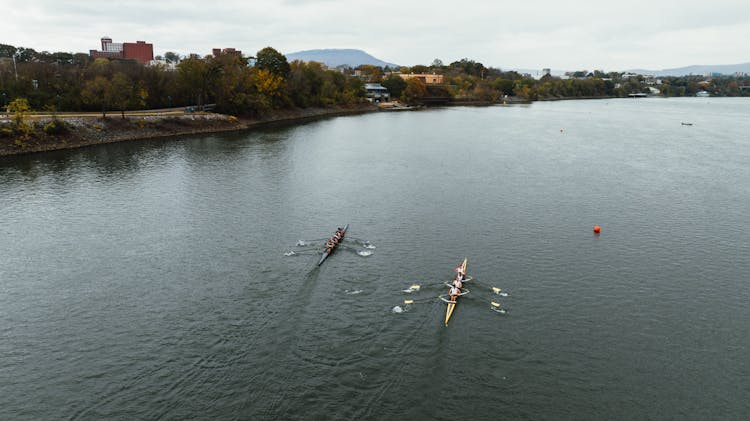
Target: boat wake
(499, 310)
(355, 292)
(291, 253)
(364, 253)
(369, 246)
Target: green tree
(7, 50)
(193, 76)
(273, 61)
(395, 85)
(171, 57)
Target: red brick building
(226, 51)
(140, 51)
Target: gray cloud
(565, 35)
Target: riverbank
(85, 130)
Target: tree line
(75, 82)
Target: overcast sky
(562, 35)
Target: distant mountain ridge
(337, 57)
(699, 69)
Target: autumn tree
(20, 108)
(95, 93)
(120, 92)
(415, 90)
(374, 73)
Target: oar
(494, 305)
(417, 287)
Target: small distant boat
(702, 94)
(328, 252)
(686, 124)
(638, 95)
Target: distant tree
(395, 85)
(25, 55)
(579, 73)
(171, 57)
(273, 61)
(503, 86)
(120, 92)
(20, 108)
(374, 73)
(193, 77)
(7, 50)
(420, 69)
(469, 67)
(270, 86)
(415, 90)
(437, 63)
(96, 93)
(158, 58)
(81, 59)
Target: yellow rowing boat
(452, 304)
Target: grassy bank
(54, 133)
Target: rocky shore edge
(89, 130)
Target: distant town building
(226, 51)
(429, 79)
(377, 92)
(140, 51)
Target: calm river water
(149, 280)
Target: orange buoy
(597, 228)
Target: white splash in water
(369, 246)
(503, 294)
(355, 292)
(291, 253)
(364, 253)
(301, 243)
(397, 310)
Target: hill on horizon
(698, 69)
(334, 57)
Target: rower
(454, 291)
(460, 271)
(457, 283)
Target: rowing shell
(327, 253)
(452, 304)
